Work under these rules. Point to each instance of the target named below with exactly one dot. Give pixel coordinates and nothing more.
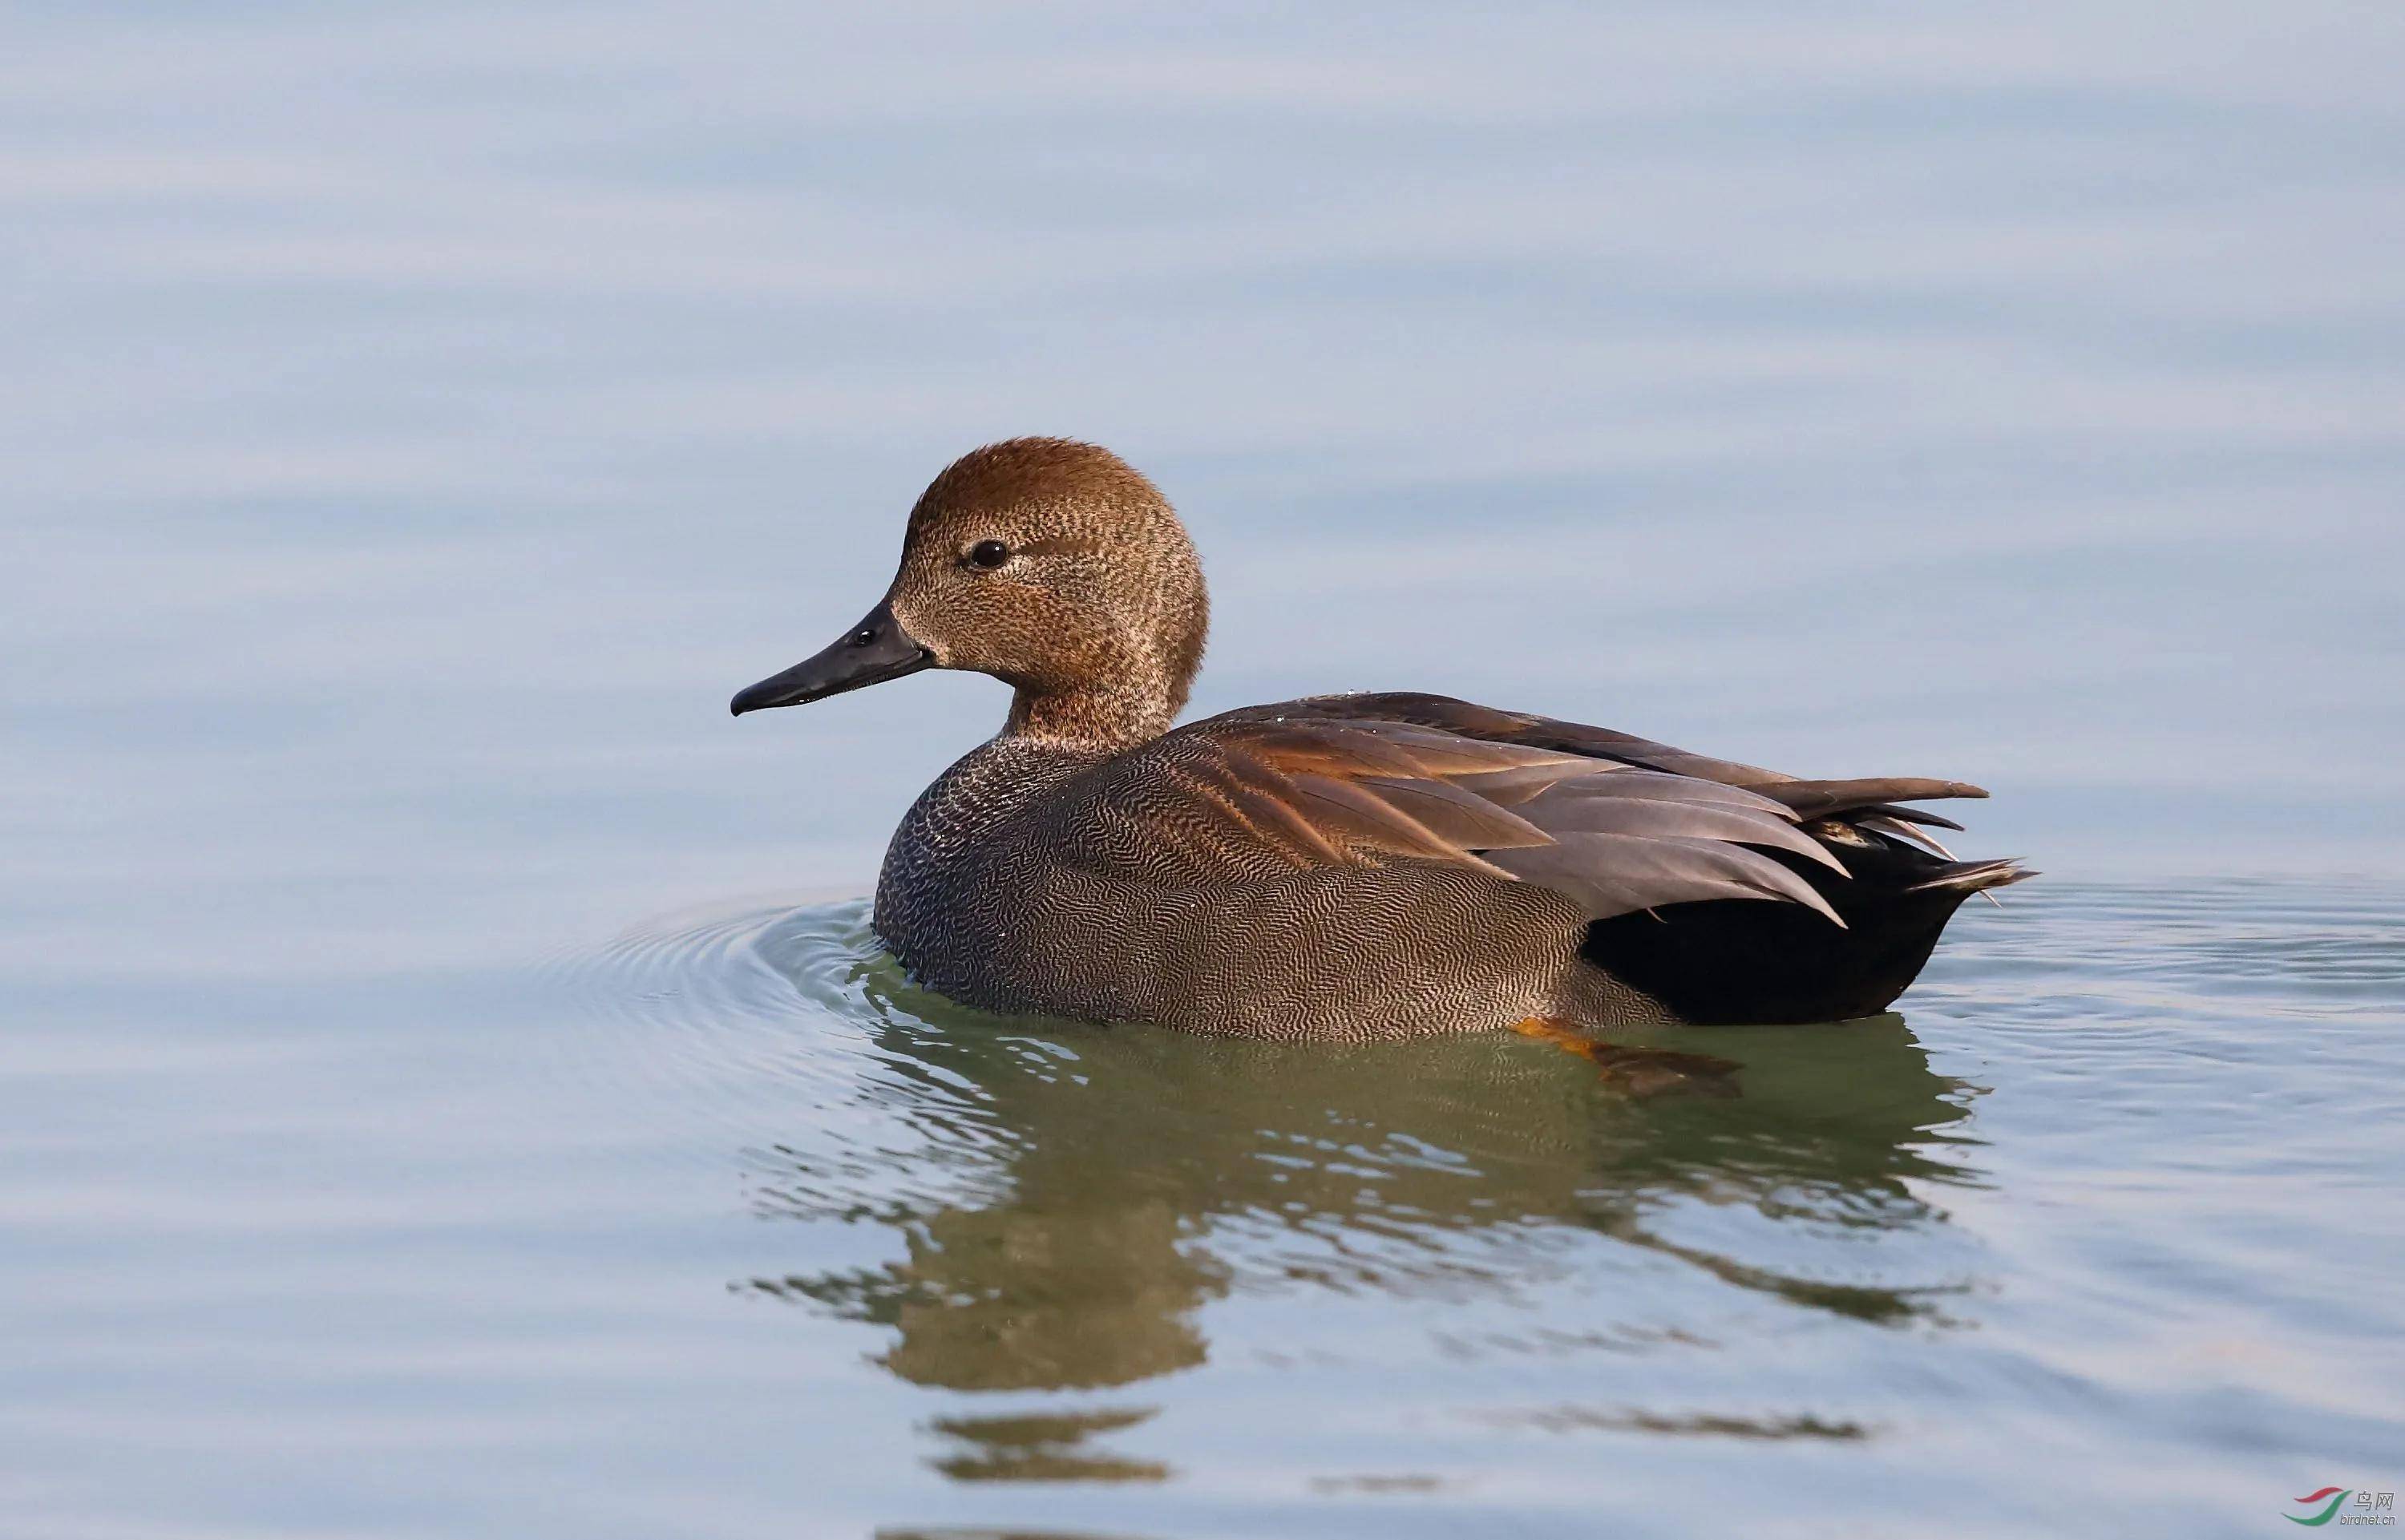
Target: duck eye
(989, 554)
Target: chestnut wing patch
(1865, 804)
(1295, 787)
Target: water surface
(725, 1225)
(448, 1087)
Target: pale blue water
(448, 1090)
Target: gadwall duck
(1344, 866)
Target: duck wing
(1864, 803)
(1615, 823)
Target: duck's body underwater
(1347, 866)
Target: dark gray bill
(875, 650)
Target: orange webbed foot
(1640, 1071)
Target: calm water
(449, 1089)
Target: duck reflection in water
(1069, 1196)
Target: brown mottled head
(1051, 565)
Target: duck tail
(1730, 960)
(1969, 877)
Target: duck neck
(1116, 716)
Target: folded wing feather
(1313, 790)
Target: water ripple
(1067, 1197)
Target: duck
(1350, 867)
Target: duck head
(1052, 565)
